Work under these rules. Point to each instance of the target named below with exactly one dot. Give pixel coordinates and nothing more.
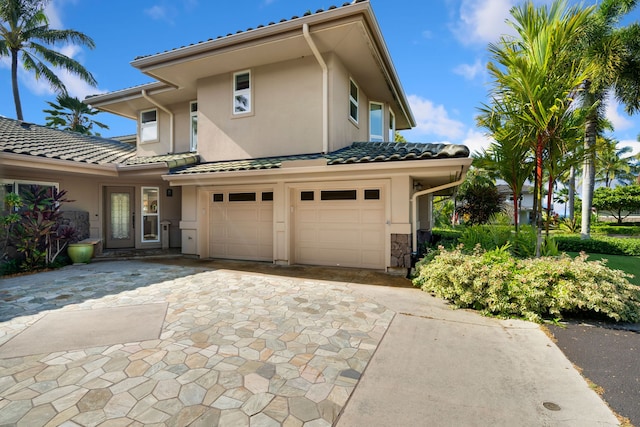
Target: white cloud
(635, 146)
(470, 71)
(620, 121)
(476, 141)
(483, 21)
(159, 13)
(433, 120)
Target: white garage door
(241, 225)
(343, 227)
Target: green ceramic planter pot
(80, 253)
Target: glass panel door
(120, 217)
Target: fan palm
(25, 32)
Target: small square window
(267, 196)
(218, 197)
(372, 194)
(306, 195)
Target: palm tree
(24, 29)
(611, 162)
(562, 197)
(536, 77)
(506, 158)
(614, 54)
(72, 114)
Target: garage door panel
(241, 230)
(350, 233)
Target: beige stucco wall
(87, 195)
(280, 93)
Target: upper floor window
(148, 125)
(392, 126)
(242, 92)
(376, 122)
(354, 94)
(193, 120)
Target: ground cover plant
(497, 283)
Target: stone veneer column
(400, 250)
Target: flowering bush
(496, 283)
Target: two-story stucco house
(272, 144)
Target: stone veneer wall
(78, 220)
(401, 250)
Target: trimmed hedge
(627, 230)
(598, 244)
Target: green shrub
(627, 230)
(496, 283)
(446, 237)
(598, 245)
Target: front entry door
(120, 217)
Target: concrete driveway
(189, 342)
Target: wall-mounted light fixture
(417, 186)
(169, 192)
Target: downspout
(166, 110)
(325, 87)
(414, 224)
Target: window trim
(392, 126)
(144, 126)
(193, 138)
(242, 92)
(149, 213)
(16, 183)
(354, 102)
(380, 137)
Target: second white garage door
(241, 225)
(342, 227)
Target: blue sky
(439, 48)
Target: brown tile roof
(307, 13)
(358, 152)
(33, 140)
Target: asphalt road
(609, 356)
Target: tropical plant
(24, 30)
(613, 163)
(506, 158)
(70, 113)
(39, 235)
(479, 201)
(498, 284)
(613, 54)
(536, 77)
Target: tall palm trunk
(588, 169)
(538, 195)
(14, 83)
(571, 199)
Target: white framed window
(193, 124)
(242, 92)
(392, 126)
(150, 214)
(19, 187)
(354, 95)
(149, 125)
(376, 122)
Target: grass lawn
(628, 264)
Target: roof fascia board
(388, 65)
(149, 62)
(56, 165)
(128, 94)
(428, 167)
